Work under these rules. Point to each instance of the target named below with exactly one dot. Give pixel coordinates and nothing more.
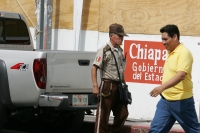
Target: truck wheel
(2, 114)
(75, 121)
(64, 122)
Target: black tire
(75, 121)
(2, 114)
(66, 122)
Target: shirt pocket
(112, 64)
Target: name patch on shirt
(98, 58)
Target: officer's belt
(110, 81)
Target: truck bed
(69, 71)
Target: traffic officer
(108, 92)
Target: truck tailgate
(69, 71)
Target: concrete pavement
(131, 126)
(135, 126)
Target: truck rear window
(14, 31)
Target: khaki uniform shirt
(106, 62)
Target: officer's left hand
(156, 91)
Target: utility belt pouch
(125, 95)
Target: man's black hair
(171, 29)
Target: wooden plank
(107, 14)
(63, 14)
(3, 5)
(137, 16)
(90, 14)
(24, 7)
(147, 17)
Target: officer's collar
(113, 48)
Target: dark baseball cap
(118, 29)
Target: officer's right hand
(95, 91)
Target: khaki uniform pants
(105, 105)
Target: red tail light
(40, 72)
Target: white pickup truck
(52, 85)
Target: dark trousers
(108, 101)
(168, 112)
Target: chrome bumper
(62, 102)
(51, 100)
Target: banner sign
(144, 61)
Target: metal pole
(47, 24)
(40, 23)
(78, 6)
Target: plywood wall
(137, 16)
(26, 5)
(62, 11)
(147, 16)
